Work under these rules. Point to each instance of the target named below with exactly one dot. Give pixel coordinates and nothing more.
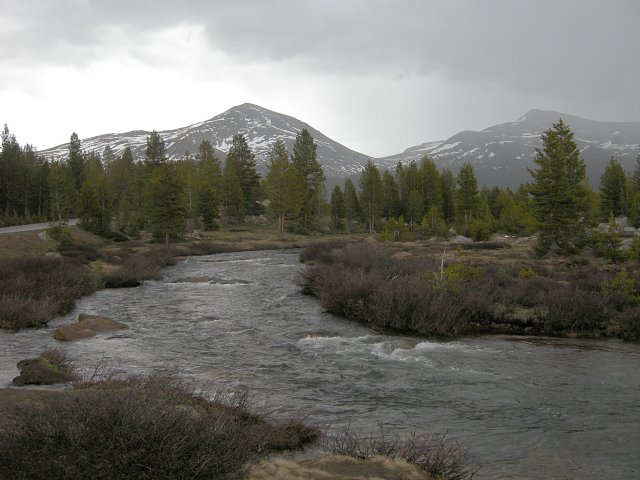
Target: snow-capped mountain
(261, 128)
(501, 154)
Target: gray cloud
(577, 54)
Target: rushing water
(525, 408)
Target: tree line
(112, 194)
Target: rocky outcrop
(87, 326)
(38, 371)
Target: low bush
(322, 251)
(141, 428)
(431, 453)
(133, 271)
(629, 322)
(35, 289)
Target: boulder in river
(87, 326)
(38, 371)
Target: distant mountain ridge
(260, 126)
(500, 154)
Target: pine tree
(467, 196)
(208, 185)
(613, 190)
(76, 161)
(430, 184)
(337, 208)
(371, 195)
(304, 159)
(391, 207)
(448, 183)
(351, 204)
(155, 153)
(165, 203)
(558, 191)
(95, 201)
(232, 199)
(126, 188)
(282, 186)
(415, 208)
(249, 178)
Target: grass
(413, 288)
(433, 454)
(154, 427)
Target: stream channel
(534, 408)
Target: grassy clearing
(153, 427)
(413, 288)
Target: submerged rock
(87, 326)
(38, 371)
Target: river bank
(41, 278)
(499, 287)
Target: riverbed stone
(87, 326)
(38, 371)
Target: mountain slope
(261, 128)
(501, 154)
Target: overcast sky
(377, 75)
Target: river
(533, 408)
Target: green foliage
(621, 283)
(246, 169)
(351, 204)
(304, 159)
(452, 275)
(95, 202)
(430, 184)
(467, 197)
(558, 191)
(60, 233)
(433, 224)
(480, 229)
(613, 190)
(76, 161)
(165, 203)
(337, 208)
(391, 195)
(395, 229)
(607, 244)
(232, 198)
(283, 187)
(155, 153)
(415, 208)
(528, 272)
(371, 195)
(516, 219)
(448, 184)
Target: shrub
(629, 322)
(321, 251)
(141, 428)
(527, 273)
(432, 453)
(36, 289)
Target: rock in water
(87, 326)
(37, 371)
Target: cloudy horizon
(377, 76)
